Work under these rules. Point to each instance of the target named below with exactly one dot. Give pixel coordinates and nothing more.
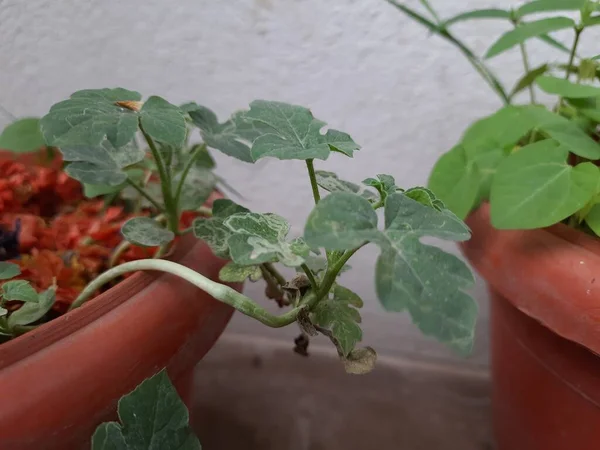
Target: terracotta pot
(63, 379)
(545, 325)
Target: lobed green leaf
(19, 290)
(146, 232)
(163, 121)
(31, 312)
(152, 417)
(8, 270)
(332, 183)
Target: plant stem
(527, 70)
(481, 68)
(144, 194)
(275, 273)
(186, 170)
(171, 208)
(578, 31)
(313, 180)
(310, 276)
(219, 291)
(427, 6)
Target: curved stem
(313, 180)
(219, 291)
(144, 194)
(313, 282)
(275, 273)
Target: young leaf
(542, 6)
(331, 183)
(97, 190)
(163, 121)
(23, 135)
(19, 290)
(478, 14)
(565, 88)
(409, 274)
(8, 270)
(425, 197)
(234, 273)
(231, 137)
(260, 238)
(152, 417)
(31, 312)
(526, 31)
(101, 164)
(291, 132)
(554, 43)
(385, 185)
(360, 361)
(223, 208)
(528, 79)
(338, 315)
(535, 187)
(146, 232)
(565, 132)
(91, 116)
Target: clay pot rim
(517, 263)
(63, 326)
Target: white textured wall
(359, 64)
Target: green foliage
(339, 315)
(535, 187)
(23, 135)
(163, 121)
(409, 275)
(152, 417)
(565, 88)
(544, 6)
(19, 290)
(331, 183)
(146, 232)
(31, 311)
(234, 273)
(8, 270)
(527, 31)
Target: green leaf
(146, 232)
(456, 180)
(331, 183)
(101, 164)
(19, 290)
(90, 117)
(565, 132)
(31, 312)
(339, 315)
(234, 273)
(22, 136)
(152, 417)
(8, 270)
(535, 187)
(528, 79)
(593, 219)
(410, 275)
(231, 137)
(554, 43)
(213, 231)
(592, 21)
(565, 88)
(385, 185)
(163, 121)
(478, 14)
(526, 31)
(291, 132)
(542, 6)
(197, 187)
(360, 361)
(260, 238)
(425, 197)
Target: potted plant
(97, 351)
(526, 178)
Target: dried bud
(131, 105)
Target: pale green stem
(275, 273)
(186, 170)
(527, 69)
(219, 291)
